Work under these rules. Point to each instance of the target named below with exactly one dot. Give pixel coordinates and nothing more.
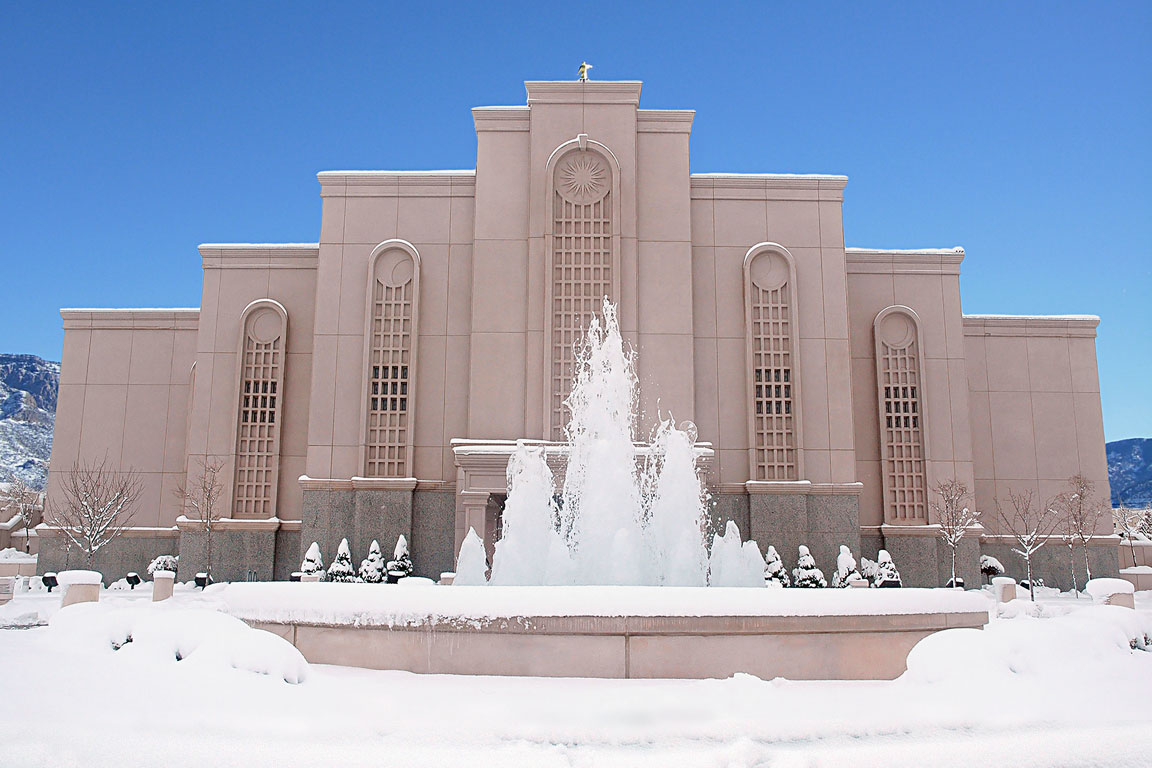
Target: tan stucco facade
(438, 307)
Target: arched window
(899, 382)
(265, 330)
(582, 259)
(393, 294)
(772, 359)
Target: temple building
(373, 383)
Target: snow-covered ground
(1051, 683)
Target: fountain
(606, 578)
(616, 523)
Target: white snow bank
(1136, 569)
(11, 555)
(79, 577)
(1090, 641)
(376, 605)
(158, 634)
(1101, 588)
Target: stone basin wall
(796, 647)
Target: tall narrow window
(582, 264)
(771, 338)
(393, 286)
(902, 427)
(258, 419)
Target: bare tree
(201, 500)
(1128, 522)
(97, 504)
(954, 515)
(26, 502)
(1081, 513)
(1068, 535)
(1028, 525)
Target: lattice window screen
(902, 428)
(581, 266)
(257, 446)
(772, 354)
(390, 364)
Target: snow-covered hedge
(203, 638)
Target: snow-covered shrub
(401, 563)
(845, 568)
(886, 574)
(472, 564)
(372, 567)
(774, 570)
(806, 574)
(313, 562)
(341, 568)
(991, 567)
(164, 563)
(207, 639)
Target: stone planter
(79, 587)
(1140, 578)
(310, 577)
(1111, 592)
(1005, 588)
(18, 568)
(7, 587)
(162, 584)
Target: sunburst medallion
(583, 177)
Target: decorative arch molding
(261, 356)
(581, 258)
(772, 364)
(392, 313)
(902, 402)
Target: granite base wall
(288, 555)
(820, 522)
(432, 543)
(725, 507)
(359, 515)
(926, 561)
(1050, 563)
(118, 557)
(237, 555)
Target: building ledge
(583, 92)
(934, 261)
(1061, 326)
(131, 319)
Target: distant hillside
(28, 388)
(1130, 470)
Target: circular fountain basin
(597, 631)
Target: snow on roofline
(460, 172)
(1086, 318)
(919, 251)
(130, 309)
(818, 176)
(258, 245)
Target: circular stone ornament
(583, 178)
(394, 268)
(897, 330)
(266, 325)
(769, 270)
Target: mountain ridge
(29, 387)
(1130, 470)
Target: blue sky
(129, 133)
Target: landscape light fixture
(133, 579)
(50, 581)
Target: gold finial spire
(583, 70)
